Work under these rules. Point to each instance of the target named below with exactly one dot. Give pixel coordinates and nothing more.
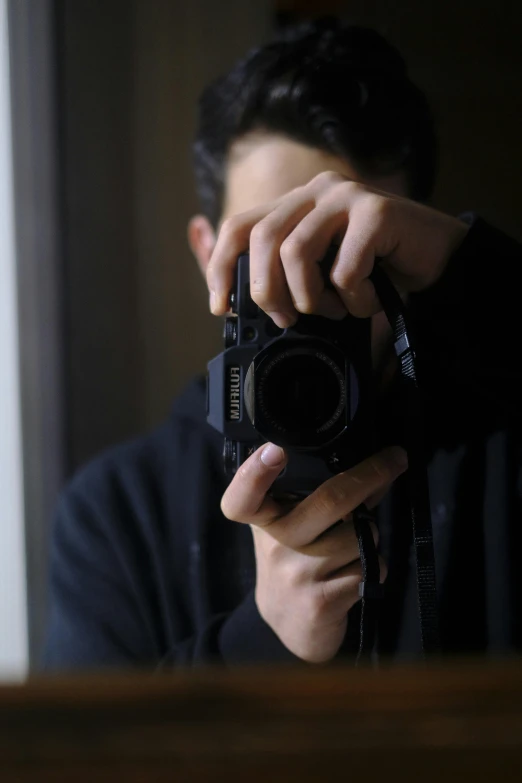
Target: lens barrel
(296, 392)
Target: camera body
(307, 388)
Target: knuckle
(292, 575)
(330, 499)
(296, 194)
(273, 552)
(354, 481)
(306, 307)
(293, 250)
(358, 190)
(231, 226)
(307, 303)
(343, 277)
(310, 296)
(260, 234)
(326, 178)
(376, 211)
(381, 468)
(329, 593)
(379, 206)
(346, 190)
(299, 190)
(319, 601)
(341, 192)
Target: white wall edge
(13, 593)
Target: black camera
(307, 388)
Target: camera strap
(370, 588)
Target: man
(318, 136)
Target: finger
(361, 302)
(341, 589)
(337, 547)
(301, 253)
(338, 497)
(268, 284)
(245, 499)
(366, 238)
(330, 306)
(234, 235)
(233, 239)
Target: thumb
(246, 499)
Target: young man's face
(263, 167)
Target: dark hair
(334, 86)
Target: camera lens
(300, 395)
(303, 391)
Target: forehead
(263, 167)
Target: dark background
(115, 317)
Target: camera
(307, 388)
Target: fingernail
(212, 301)
(283, 320)
(272, 455)
(398, 457)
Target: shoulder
(149, 474)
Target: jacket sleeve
(238, 637)
(103, 612)
(468, 331)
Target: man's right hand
(308, 567)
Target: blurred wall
(137, 323)
(178, 47)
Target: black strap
(370, 588)
(417, 474)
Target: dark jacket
(145, 569)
